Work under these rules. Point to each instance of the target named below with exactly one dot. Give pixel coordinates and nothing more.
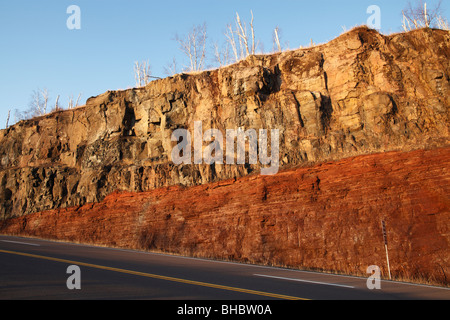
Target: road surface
(33, 269)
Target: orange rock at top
(361, 93)
(364, 136)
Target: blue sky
(39, 51)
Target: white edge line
(301, 280)
(228, 262)
(28, 244)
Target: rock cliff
(325, 217)
(361, 95)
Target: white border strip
(300, 280)
(28, 244)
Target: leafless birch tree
(230, 35)
(7, 119)
(241, 41)
(242, 33)
(71, 104)
(38, 103)
(142, 73)
(222, 54)
(421, 15)
(171, 68)
(276, 40)
(193, 45)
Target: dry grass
(418, 279)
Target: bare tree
(442, 23)
(57, 104)
(18, 116)
(218, 54)
(230, 35)
(38, 103)
(171, 68)
(222, 54)
(71, 104)
(7, 119)
(240, 40)
(276, 39)
(421, 15)
(242, 33)
(245, 37)
(193, 45)
(78, 100)
(252, 28)
(142, 73)
(45, 97)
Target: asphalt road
(32, 269)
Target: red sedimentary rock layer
(358, 94)
(325, 217)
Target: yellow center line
(156, 276)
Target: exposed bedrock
(363, 124)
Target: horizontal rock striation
(358, 94)
(363, 136)
(325, 217)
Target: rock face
(325, 217)
(360, 94)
